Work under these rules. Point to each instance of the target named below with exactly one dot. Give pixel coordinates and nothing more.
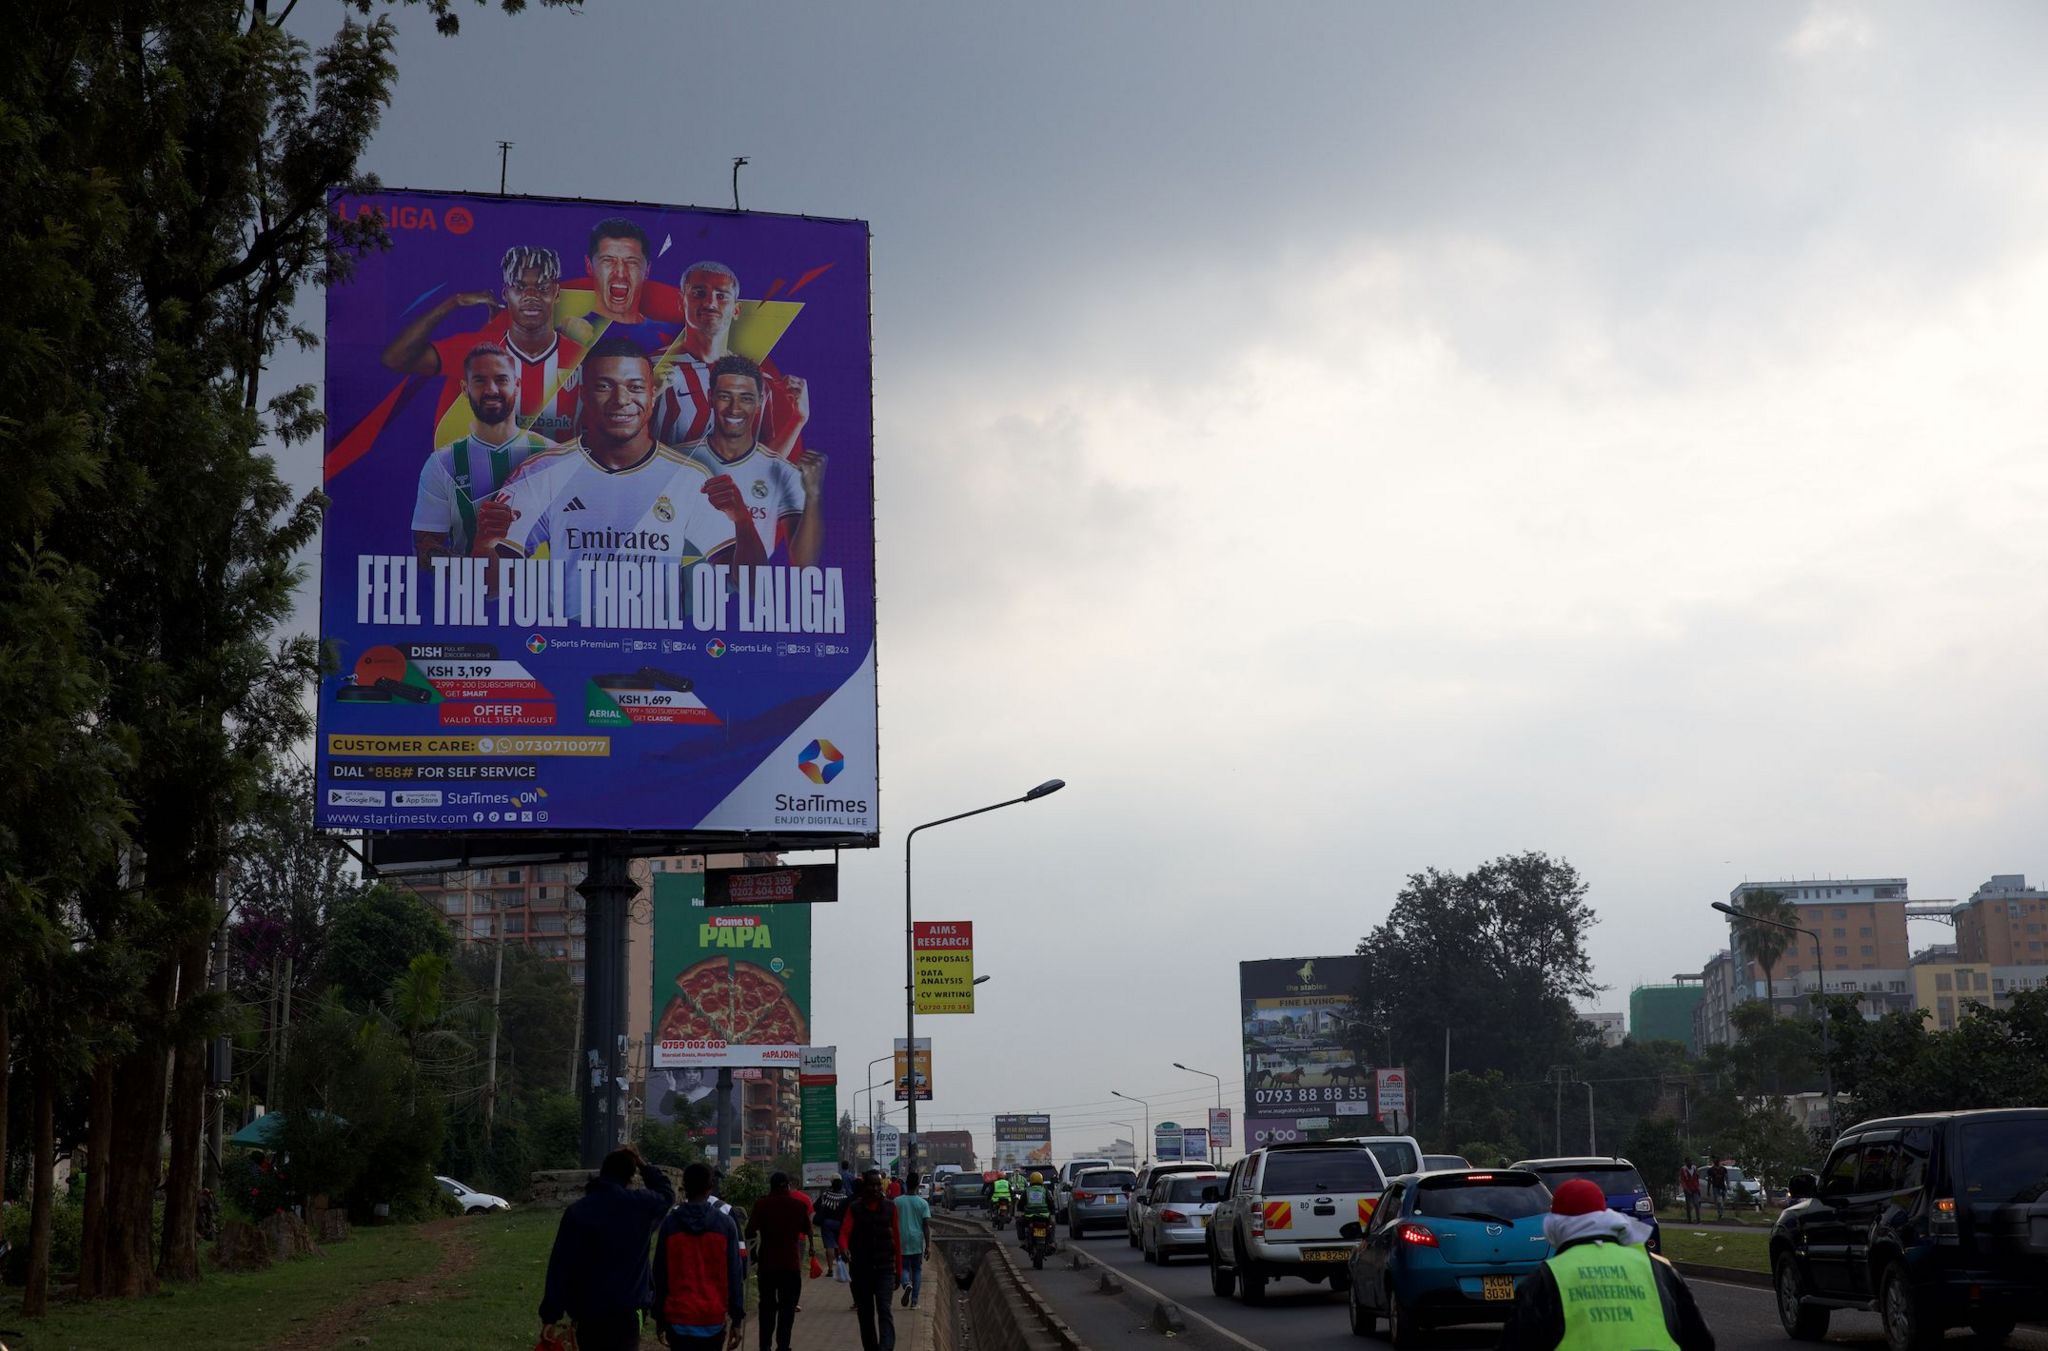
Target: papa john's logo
(820, 761)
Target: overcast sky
(1346, 439)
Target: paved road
(1302, 1317)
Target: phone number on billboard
(1292, 1097)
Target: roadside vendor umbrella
(265, 1130)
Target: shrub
(66, 1227)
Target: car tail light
(1172, 1217)
(1944, 1216)
(1418, 1235)
(1084, 1196)
(1258, 1220)
(1645, 1206)
(1479, 1177)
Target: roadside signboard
(731, 987)
(1194, 1142)
(1393, 1093)
(672, 631)
(818, 1093)
(1166, 1141)
(1022, 1140)
(797, 884)
(944, 965)
(1219, 1127)
(888, 1145)
(1297, 1023)
(916, 1078)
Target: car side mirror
(1802, 1186)
(1210, 1196)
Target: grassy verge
(239, 1312)
(493, 1302)
(1749, 1219)
(1717, 1247)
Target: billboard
(791, 884)
(1219, 1127)
(600, 553)
(731, 987)
(1297, 1016)
(818, 1093)
(923, 1073)
(944, 953)
(1166, 1141)
(1022, 1140)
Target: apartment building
(1719, 994)
(2004, 923)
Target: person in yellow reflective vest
(1600, 1289)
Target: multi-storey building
(1663, 1012)
(1862, 945)
(2004, 923)
(1613, 1026)
(1718, 996)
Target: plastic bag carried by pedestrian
(817, 1267)
(556, 1337)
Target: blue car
(1447, 1247)
(1626, 1191)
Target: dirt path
(337, 1326)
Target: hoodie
(700, 1279)
(599, 1263)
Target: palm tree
(1765, 943)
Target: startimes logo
(820, 761)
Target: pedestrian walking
(1717, 1187)
(895, 1188)
(597, 1272)
(849, 1182)
(874, 1257)
(1600, 1288)
(1689, 1189)
(700, 1279)
(831, 1210)
(778, 1235)
(912, 1212)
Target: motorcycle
(1002, 1212)
(1039, 1239)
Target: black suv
(1933, 1221)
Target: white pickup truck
(1291, 1210)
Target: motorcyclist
(1034, 1202)
(999, 1192)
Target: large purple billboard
(600, 554)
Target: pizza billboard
(731, 987)
(600, 548)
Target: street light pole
(1046, 789)
(1592, 1147)
(1820, 963)
(870, 1091)
(1145, 1150)
(1127, 1126)
(1213, 1150)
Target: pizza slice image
(720, 999)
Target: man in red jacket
(874, 1252)
(700, 1279)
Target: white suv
(1292, 1210)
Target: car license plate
(1327, 1254)
(1497, 1287)
(1205, 1221)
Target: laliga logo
(820, 761)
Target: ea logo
(820, 761)
(458, 220)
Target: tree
(373, 938)
(1765, 942)
(1496, 957)
(166, 166)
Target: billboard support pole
(607, 891)
(725, 1121)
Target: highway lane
(1302, 1317)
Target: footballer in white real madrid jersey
(618, 495)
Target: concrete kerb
(1760, 1280)
(1008, 1287)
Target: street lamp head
(1046, 789)
(1177, 1065)
(1728, 909)
(983, 980)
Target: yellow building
(1944, 988)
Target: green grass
(240, 1312)
(1748, 1218)
(493, 1303)
(1717, 1247)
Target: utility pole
(504, 161)
(497, 986)
(284, 1034)
(1445, 1120)
(1558, 1075)
(1592, 1146)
